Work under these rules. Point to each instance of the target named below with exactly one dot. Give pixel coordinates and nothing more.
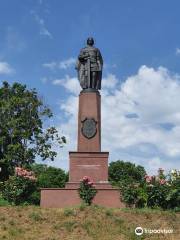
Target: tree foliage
(128, 172)
(49, 177)
(23, 135)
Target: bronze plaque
(89, 129)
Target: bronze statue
(89, 66)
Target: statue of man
(89, 66)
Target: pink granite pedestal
(68, 197)
(87, 161)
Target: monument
(88, 160)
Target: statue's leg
(94, 79)
(86, 79)
(98, 82)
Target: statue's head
(90, 41)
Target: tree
(128, 172)
(49, 177)
(23, 135)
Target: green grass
(3, 202)
(84, 223)
(69, 212)
(35, 216)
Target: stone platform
(69, 197)
(95, 165)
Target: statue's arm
(80, 57)
(83, 56)
(79, 60)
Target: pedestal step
(63, 197)
(98, 185)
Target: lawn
(86, 223)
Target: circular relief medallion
(89, 127)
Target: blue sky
(140, 44)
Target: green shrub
(87, 190)
(142, 196)
(3, 202)
(129, 194)
(18, 189)
(155, 192)
(34, 198)
(157, 195)
(173, 196)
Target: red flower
(148, 178)
(24, 173)
(162, 181)
(90, 183)
(86, 179)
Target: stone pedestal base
(92, 164)
(63, 197)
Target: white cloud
(5, 68)
(71, 84)
(177, 51)
(110, 81)
(58, 82)
(51, 65)
(140, 117)
(42, 27)
(65, 64)
(108, 66)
